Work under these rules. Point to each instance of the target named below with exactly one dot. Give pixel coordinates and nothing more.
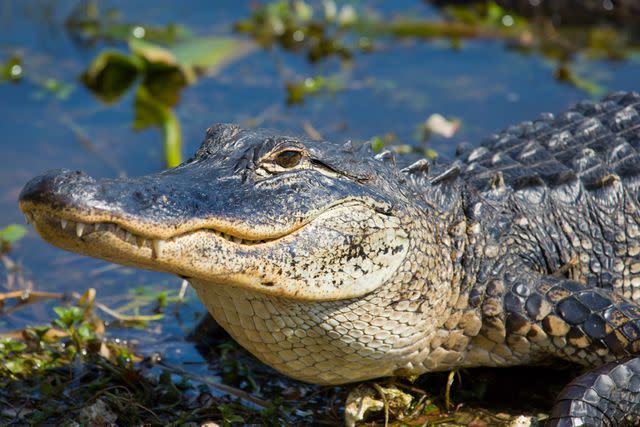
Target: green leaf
(430, 153)
(111, 74)
(15, 366)
(60, 89)
(8, 345)
(86, 331)
(12, 233)
(68, 316)
(193, 57)
(377, 144)
(11, 70)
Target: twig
(386, 403)
(417, 408)
(183, 289)
(447, 393)
(25, 296)
(122, 317)
(127, 317)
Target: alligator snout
(58, 188)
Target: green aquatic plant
(324, 30)
(160, 61)
(299, 90)
(88, 24)
(9, 235)
(319, 30)
(157, 74)
(11, 69)
(69, 371)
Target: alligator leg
(608, 395)
(590, 326)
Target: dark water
(393, 89)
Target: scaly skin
(334, 266)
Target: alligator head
(254, 220)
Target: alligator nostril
(58, 188)
(268, 284)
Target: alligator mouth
(77, 230)
(341, 251)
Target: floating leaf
(377, 144)
(11, 70)
(165, 71)
(12, 233)
(59, 89)
(298, 91)
(111, 74)
(430, 153)
(87, 24)
(193, 57)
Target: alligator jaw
(47, 222)
(127, 245)
(290, 265)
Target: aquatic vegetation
(298, 91)
(70, 370)
(327, 30)
(160, 72)
(11, 70)
(88, 25)
(9, 235)
(298, 26)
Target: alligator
(334, 264)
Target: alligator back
(572, 185)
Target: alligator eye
(288, 159)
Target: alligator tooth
(28, 217)
(97, 226)
(158, 247)
(79, 229)
(236, 239)
(128, 236)
(63, 223)
(140, 241)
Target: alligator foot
(606, 396)
(587, 325)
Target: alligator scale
(335, 265)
